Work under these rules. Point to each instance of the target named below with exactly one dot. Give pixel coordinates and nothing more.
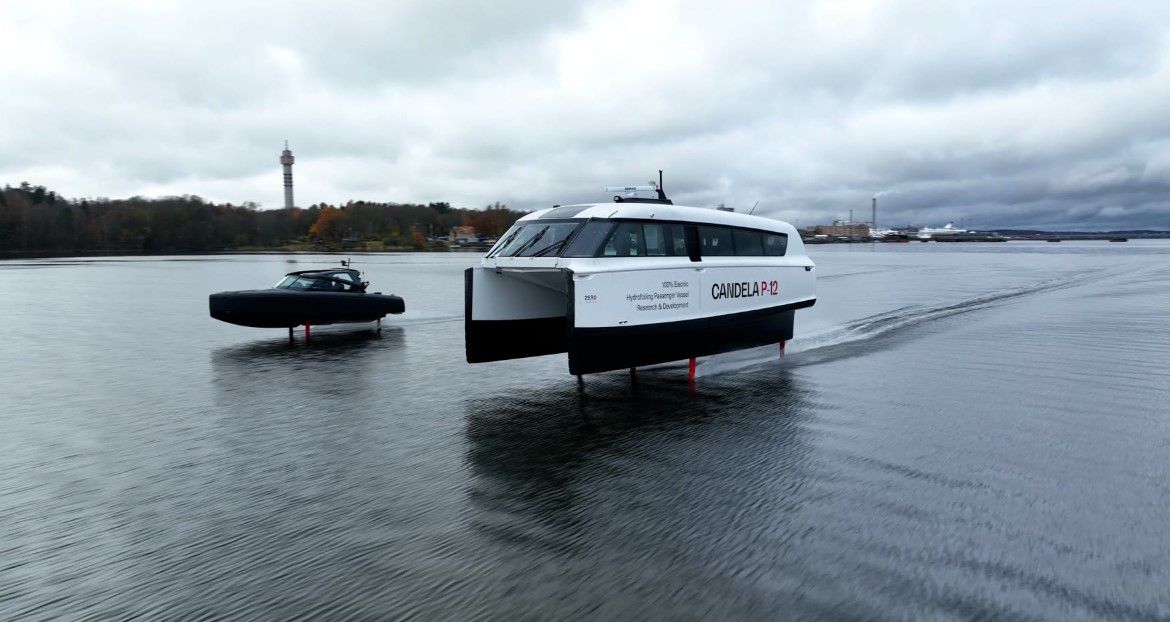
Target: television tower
(286, 160)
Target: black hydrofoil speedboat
(306, 297)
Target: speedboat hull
(281, 308)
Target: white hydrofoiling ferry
(635, 282)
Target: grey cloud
(1003, 113)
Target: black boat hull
(593, 350)
(281, 308)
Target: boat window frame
(606, 223)
(519, 226)
(739, 235)
(691, 231)
(639, 245)
(783, 246)
(347, 286)
(694, 247)
(661, 248)
(730, 231)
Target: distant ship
(887, 235)
(927, 233)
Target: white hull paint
(615, 297)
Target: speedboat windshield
(337, 281)
(294, 281)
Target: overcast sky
(1003, 113)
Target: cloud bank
(1000, 113)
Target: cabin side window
(625, 241)
(775, 244)
(347, 283)
(645, 239)
(669, 239)
(325, 284)
(748, 243)
(655, 239)
(677, 240)
(716, 241)
(665, 239)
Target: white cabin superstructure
(948, 229)
(635, 282)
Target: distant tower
(286, 160)
(873, 220)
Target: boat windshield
(536, 239)
(315, 282)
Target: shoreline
(10, 255)
(6, 255)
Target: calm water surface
(958, 431)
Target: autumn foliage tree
(417, 239)
(492, 220)
(330, 225)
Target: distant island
(36, 221)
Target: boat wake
(873, 331)
(846, 275)
(422, 321)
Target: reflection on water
(623, 474)
(329, 366)
(335, 343)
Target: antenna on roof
(753, 208)
(628, 193)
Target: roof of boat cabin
(323, 271)
(660, 211)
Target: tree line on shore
(34, 219)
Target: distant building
(463, 234)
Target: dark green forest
(35, 220)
